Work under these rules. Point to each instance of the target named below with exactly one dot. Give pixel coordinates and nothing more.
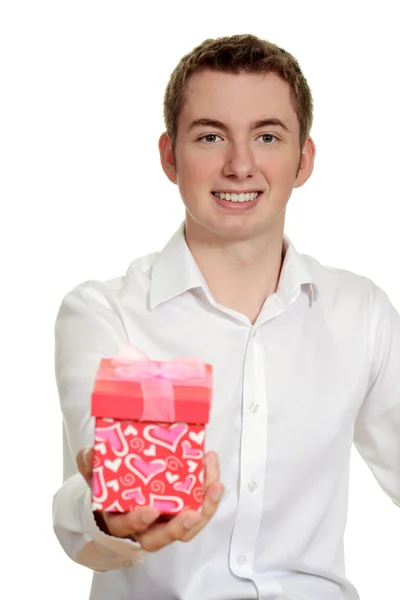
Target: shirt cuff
(122, 546)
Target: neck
(240, 274)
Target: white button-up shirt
(318, 370)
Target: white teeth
(236, 197)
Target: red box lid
(116, 398)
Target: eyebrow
(219, 125)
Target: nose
(239, 162)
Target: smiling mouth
(233, 197)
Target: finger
(84, 461)
(158, 536)
(211, 469)
(185, 526)
(214, 491)
(211, 502)
(130, 523)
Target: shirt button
(252, 486)
(242, 559)
(254, 407)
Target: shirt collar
(175, 271)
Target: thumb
(84, 461)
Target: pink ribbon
(131, 364)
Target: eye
(268, 138)
(206, 138)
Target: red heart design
(167, 436)
(134, 494)
(166, 504)
(143, 469)
(185, 486)
(189, 452)
(100, 492)
(114, 436)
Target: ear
(306, 163)
(167, 157)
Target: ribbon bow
(156, 377)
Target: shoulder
(105, 294)
(337, 284)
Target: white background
(82, 194)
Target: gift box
(150, 419)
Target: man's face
(237, 134)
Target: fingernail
(212, 460)
(148, 518)
(216, 494)
(189, 522)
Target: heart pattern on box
(112, 435)
(170, 477)
(163, 460)
(114, 485)
(135, 494)
(151, 451)
(144, 469)
(190, 452)
(130, 430)
(113, 465)
(198, 438)
(192, 465)
(187, 485)
(167, 436)
(101, 447)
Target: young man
(306, 358)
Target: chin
(232, 228)
(237, 232)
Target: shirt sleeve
(88, 327)
(377, 429)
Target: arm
(377, 431)
(87, 329)
(78, 534)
